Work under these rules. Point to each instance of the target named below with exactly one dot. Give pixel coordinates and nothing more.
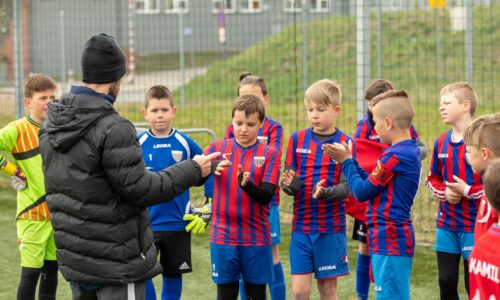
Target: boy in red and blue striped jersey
(270, 133)
(368, 149)
(453, 182)
(318, 244)
(240, 239)
(390, 189)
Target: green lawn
(198, 285)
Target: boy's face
(381, 126)
(322, 118)
(159, 115)
(246, 129)
(38, 104)
(450, 109)
(477, 158)
(255, 90)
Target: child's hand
(458, 186)
(319, 188)
(338, 152)
(245, 176)
(221, 166)
(205, 162)
(288, 176)
(451, 196)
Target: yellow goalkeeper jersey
(20, 138)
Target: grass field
(198, 285)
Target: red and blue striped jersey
(389, 213)
(311, 164)
(365, 130)
(449, 159)
(237, 220)
(272, 133)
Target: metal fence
(198, 48)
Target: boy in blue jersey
(318, 244)
(163, 146)
(452, 180)
(391, 189)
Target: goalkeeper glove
(16, 174)
(199, 218)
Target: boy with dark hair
(452, 180)
(318, 244)
(390, 189)
(164, 146)
(484, 261)
(34, 231)
(240, 240)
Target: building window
(319, 6)
(250, 6)
(147, 6)
(292, 5)
(174, 6)
(228, 6)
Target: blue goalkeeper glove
(199, 218)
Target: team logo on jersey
(177, 155)
(263, 139)
(304, 151)
(227, 156)
(184, 266)
(157, 146)
(442, 155)
(373, 137)
(258, 161)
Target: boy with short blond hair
(484, 261)
(317, 224)
(482, 148)
(390, 189)
(164, 146)
(34, 231)
(452, 180)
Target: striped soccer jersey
(449, 159)
(238, 220)
(271, 133)
(311, 164)
(20, 138)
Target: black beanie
(102, 60)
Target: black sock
(255, 291)
(466, 275)
(448, 268)
(27, 284)
(228, 291)
(48, 281)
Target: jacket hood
(72, 116)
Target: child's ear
(27, 102)
(389, 123)
(174, 110)
(337, 108)
(265, 100)
(466, 105)
(143, 110)
(487, 154)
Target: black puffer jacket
(98, 189)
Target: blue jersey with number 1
(160, 153)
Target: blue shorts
(274, 219)
(454, 242)
(325, 254)
(392, 276)
(252, 263)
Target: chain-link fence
(198, 48)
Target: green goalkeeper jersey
(20, 138)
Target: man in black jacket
(98, 187)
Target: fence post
(180, 8)
(362, 54)
(469, 47)
(18, 57)
(304, 46)
(64, 78)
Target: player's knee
(363, 249)
(448, 281)
(276, 254)
(328, 288)
(301, 291)
(29, 276)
